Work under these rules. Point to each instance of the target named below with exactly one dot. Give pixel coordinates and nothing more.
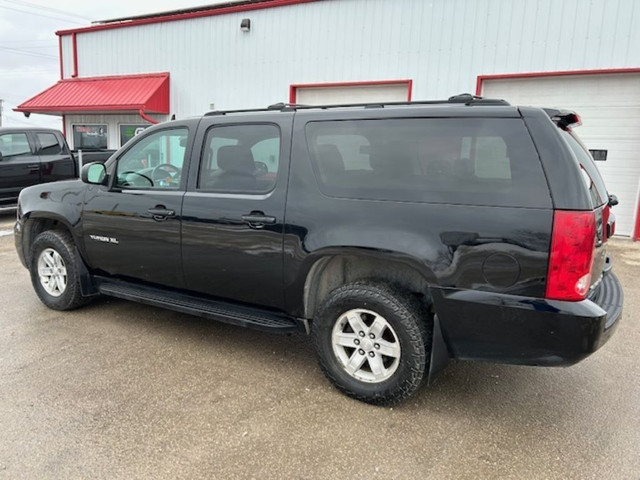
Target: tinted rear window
(597, 189)
(474, 161)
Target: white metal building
(578, 54)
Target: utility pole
(1, 100)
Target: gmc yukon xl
(397, 235)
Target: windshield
(597, 189)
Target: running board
(192, 305)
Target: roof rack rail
(463, 98)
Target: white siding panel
(441, 44)
(609, 106)
(67, 56)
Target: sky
(29, 45)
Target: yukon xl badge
(100, 238)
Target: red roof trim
(119, 93)
(293, 89)
(558, 73)
(185, 16)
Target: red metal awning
(147, 93)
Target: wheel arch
(331, 269)
(35, 223)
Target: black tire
(48, 244)
(409, 331)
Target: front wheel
(371, 341)
(54, 272)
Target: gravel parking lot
(118, 390)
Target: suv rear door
(233, 211)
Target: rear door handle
(160, 213)
(33, 166)
(258, 219)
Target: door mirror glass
(94, 173)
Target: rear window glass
(476, 161)
(597, 189)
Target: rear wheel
(54, 272)
(371, 341)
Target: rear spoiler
(563, 118)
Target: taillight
(572, 247)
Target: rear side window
(474, 161)
(240, 159)
(49, 144)
(597, 189)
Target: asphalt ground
(118, 390)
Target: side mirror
(613, 200)
(0, 156)
(94, 173)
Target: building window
(127, 132)
(90, 137)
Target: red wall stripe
(74, 46)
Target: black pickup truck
(29, 156)
(398, 235)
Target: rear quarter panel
(493, 249)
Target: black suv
(398, 235)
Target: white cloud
(29, 46)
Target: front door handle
(160, 213)
(33, 166)
(258, 219)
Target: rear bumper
(527, 331)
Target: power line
(19, 51)
(49, 9)
(42, 15)
(26, 72)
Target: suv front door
(233, 212)
(131, 228)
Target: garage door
(609, 105)
(327, 94)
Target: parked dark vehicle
(398, 235)
(29, 156)
(91, 156)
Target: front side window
(155, 161)
(474, 161)
(49, 144)
(14, 145)
(240, 158)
